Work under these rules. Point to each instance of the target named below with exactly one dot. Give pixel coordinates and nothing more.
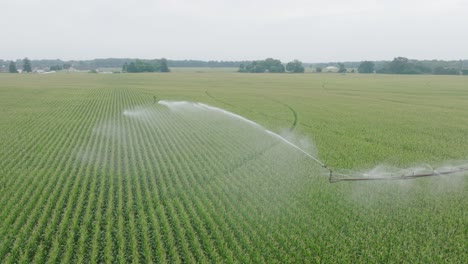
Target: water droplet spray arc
(333, 177)
(176, 104)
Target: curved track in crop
(294, 114)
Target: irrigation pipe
(331, 176)
(401, 177)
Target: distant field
(93, 169)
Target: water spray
(391, 176)
(332, 176)
(303, 151)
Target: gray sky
(311, 31)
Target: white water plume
(294, 146)
(176, 105)
(391, 172)
(136, 113)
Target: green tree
(366, 67)
(146, 66)
(272, 65)
(261, 66)
(446, 71)
(132, 67)
(256, 67)
(341, 68)
(295, 66)
(27, 65)
(56, 68)
(163, 66)
(12, 68)
(318, 69)
(400, 65)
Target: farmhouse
(331, 69)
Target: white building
(331, 69)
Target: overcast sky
(308, 30)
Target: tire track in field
(293, 112)
(219, 100)
(292, 127)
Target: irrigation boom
(332, 179)
(332, 176)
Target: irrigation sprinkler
(332, 176)
(393, 176)
(385, 177)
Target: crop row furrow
(24, 181)
(87, 221)
(196, 191)
(23, 141)
(51, 182)
(259, 173)
(162, 186)
(72, 237)
(57, 231)
(27, 143)
(120, 165)
(200, 191)
(43, 129)
(132, 216)
(137, 216)
(144, 199)
(262, 172)
(163, 242)
(191, 233)
(171, 204)
(101, 170)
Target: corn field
(106, 175)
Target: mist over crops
(94, 169)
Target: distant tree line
(259, 66)
(402, 65)
(448, 71)
(26, 66)
(211, 63)
(12, 67)
(341, 68)
(60, 67)
(271, 65)
(366, 67)
(118, 63)
(399, 65)
(295, 66)
(146, 66)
